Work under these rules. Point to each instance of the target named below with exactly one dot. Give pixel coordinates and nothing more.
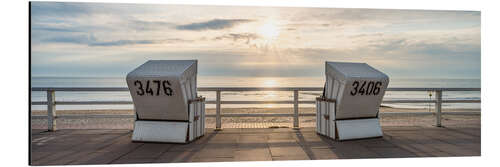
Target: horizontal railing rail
(51, 102)
(228, 89)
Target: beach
(387, 119)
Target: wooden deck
(115, 146)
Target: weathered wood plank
(115, 146)
(112, 151)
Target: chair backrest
(160, 89)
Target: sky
(104, 39)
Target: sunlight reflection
(270, 95)
(270, 83)
(269, 106)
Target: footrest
(358, 128)
(160, 131)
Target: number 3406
(366, 88)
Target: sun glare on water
(270, 95)
(270, 83)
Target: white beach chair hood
(341, 84)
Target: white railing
(51, 102)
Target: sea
(217, 81)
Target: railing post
(51, 110)
(439, 98)
(295, 109)
(217, 111)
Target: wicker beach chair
(166, 102)
(350, 103)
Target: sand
(258, 122)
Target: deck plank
(115, 146)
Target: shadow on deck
(115, 146)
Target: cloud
(69, 28)
(215, 24)
(74, 39)
(150, 25)
(236, 37)
(122, 42)
(56, 29)
(419, 48)
(402, 42)
(446, 50)
(90, 40)
(59, 9)
(389, 44)
(365, 19)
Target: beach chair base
(160, 131)
(358, 129)
(173, 131)
(165, 132)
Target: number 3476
(153, 88)
(366, 88)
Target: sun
(269, 31)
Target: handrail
(51, 102)
(226, 89)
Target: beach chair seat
(166, 102)
(349, 106)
